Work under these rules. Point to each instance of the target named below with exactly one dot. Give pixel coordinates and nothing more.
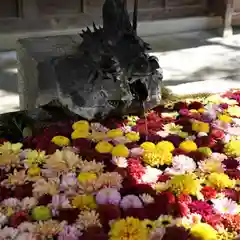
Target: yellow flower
(193, 111)
(188, 146)
(186, 184)
(220, 181)
(133, 136)
(161, 186)
(200, 127)
(201, 110)
(81, 125)
(35, 157)
(164, 221)
(104, 147)
(34, 171)
(165, 145)
(120, 150)
(158, 157)
(128, 229)
(61, 141)
(86, 176)
(79, 134)
(234, 111)
(225, 118)
(11, 147)
(98, 136)
(84, 202)
(232, 148)
(205, 150)
(211, 165)
(148, 146)
(115, 133)
(203, 231)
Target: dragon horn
(135, 15)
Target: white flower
(157, 234)
(182, 164)
(191, 138)
(121, 162)
(3, 219)
(126, 129)
(98, 127)
(225, 205)
(131, 201)
(202, 134)
(11, 202)
(137, 151)
(162, 133)
(121, 140)
(8, 233)
(151, 175)
(146, 198)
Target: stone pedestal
(35, 72)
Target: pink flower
(136, 151)
(108, 196)
(121, 162)
(69, 233)
(131, 201)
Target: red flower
(217, 134)
(208, 192)
(96, 233)
(179, 209)
(175, 232)
(232, 194)
(69, 215)
(214, 220)
(17, 218)
(201, 207)
(135, 212)
(169, 196)
(178, 151)
(231, 222)
(184, 198)
(135, 169)
(203, 141)
(195, 105)
(163, 178)
(233, 173)
(231, 163)
(180, 105)
(108, 212)
(197, 156)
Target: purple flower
(59, 201)
(69, 233)
(131, 201)
(184, 112)
(69, 180)
(108, 196)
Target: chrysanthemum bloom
(115, 133)
(104, 147)
(188, 146)
(185, 183)
(225, 205)
(208, 192)
(151, 175)
(231, 222)
(200, 127)
(131, 201)
(148, 146)
(157, 157)
(201, 207)
(108, 196)
(133, 136)
(84, 202)
(203, 231)
(79, 134)
(120, 162)
(61, 141)
(69, 232)
(129, 228)
(166, 145)
(120, 150)
(176, 232)
(81, 125)
(220, 181)
(232, 148)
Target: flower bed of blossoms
(177, 179)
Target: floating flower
(225, 118)
(133, 136)
(148, 146)
(157, 157)
(225, 205)
(211, 165)
(200, 127)
(151, 175)
(82, 126)
(61, 141)
(232, 148)
(104, 147)
(165, 145)
(108, 196)
(120, 150)
(188, 146)
(203, 231)
(84, 202)
(88, 219)
(86, 177)
(234, 111)
(129, 229)
(165, 221)
(109, 179)
(182, 164)
(113, 133)
(220, 181)
(80, 134)
(41, 213)
(146, 198)
(120, 162)
(185, 184)
(69, 233)
(131, 201)
(205, 150)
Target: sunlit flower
(120, 162)
(151, 175)
(232, 148)
(104, 147)
(113, 133)
(225, 205)
(84, 202)
(61, 141)
(133, 136)
(146, 198)
(165, 145)
(88, 219)
(165, 221)
(81, 125)
(188, 146)
(120, 150)
(220, 181)
(211, 165)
